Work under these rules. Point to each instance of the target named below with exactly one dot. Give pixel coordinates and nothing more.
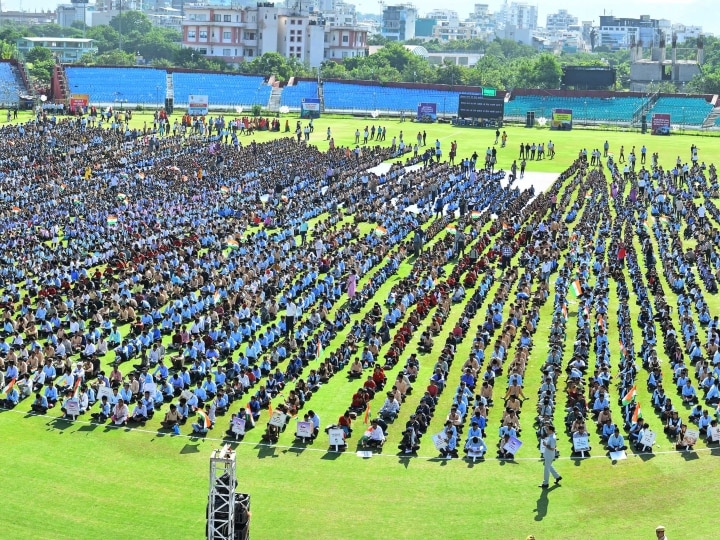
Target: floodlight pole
(221, 496)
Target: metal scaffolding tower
(221, 499)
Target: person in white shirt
(290, 314)
(120, 413)
(376, 435)
(548, 448)
(390, 408)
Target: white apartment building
(560, 21)
(238, 34)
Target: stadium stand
(10, 85)
(222, 89)
(584, 108)
(683, 110)
(111, 85)
(347, 97)
(292, 95)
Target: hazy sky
(703, 13)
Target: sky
(689, 12)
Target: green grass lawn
(80, 480)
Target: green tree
(39, 54)
(131, 21)
(105, 36)
(546, 72)
(450, 73)
(111, 58)
(333, 70)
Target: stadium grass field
(68, 480)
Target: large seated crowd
(196, 277)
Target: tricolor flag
(121, 196)
(249, 420)
(203, 418)
(216, 297)
(622, 347)
(564, 312)
(225, 189)
(601, 321)
(78, 380)
(62, 187)
(588, 196)
(630, 396)
(576, 288)
(451, 228)
(366, 419)
(506, 226)
(15, 209)
(9, 386)
(284, 198)
(475, 214)
(664, 219)
(637, 414)
(380, 231)
(318, 349)
(270, 409)
(233, 244)
(112, 220)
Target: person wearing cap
(660, 533)
(548, 447)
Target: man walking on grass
(548, 447)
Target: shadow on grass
(190, 449)
(331, 455)
(88, 427)
(715, 452)
(265, 450)
(405, 460)
(504, 461)
(441, 460)
(645, 456)
(59, 423)
(543, 502)
(690, 455)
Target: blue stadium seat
(292, 95)
(10, 85)
(615, 109)
(221, 89)
(683, 109)
(121, 84)
(342, 96)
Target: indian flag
(284, 198)
(664, 219)
(637, 414)
(233, 244)
(63, 187)
(225, 189)
(9, 386)
(576, 288)
(270, 409)
(475, 214)
(15, 209)
(630, 396)
(588, 196)
(121, 196)
(451, 228)
(112, 220)
(216, 297)
(78, 380)
(380, 231)
(203, 418)
(565, 312)
(506, 226)
(622, 347)
(249, 420)
(366, 419)
(319, 349)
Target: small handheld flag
(630, 396)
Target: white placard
(72, 407)
(581, 443)
(440, 440)
(617, 456)
(238, 426)
(476, 450)
(337, 437)
(278, 419)
(691, 437)
(149, 387)
(648, 438)
(304, 430)
(513, 445)
(186, 395)
(104, 391)
(364, 453)
(715, 433)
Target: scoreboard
(479, 106)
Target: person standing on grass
(523, 163)
(548, 447)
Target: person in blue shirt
(616, 442)
(12, 398)
(40, 405)
(51, 394)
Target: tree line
(131, 38)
